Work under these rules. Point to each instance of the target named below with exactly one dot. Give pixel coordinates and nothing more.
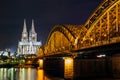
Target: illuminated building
(28, 43)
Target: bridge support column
(116, 66)
(40, 62)
(54, 66)
(68, 67)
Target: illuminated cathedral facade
(28, 43)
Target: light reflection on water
(24, 74)
(37, 73)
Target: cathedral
(28, 43)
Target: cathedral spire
(33, 29)
(24, 27)
(33, 34)
(24, 33)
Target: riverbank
(8, 64)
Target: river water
(25, 74)
(34, 74)
(66, 69)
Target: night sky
(46, 14)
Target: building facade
(28, 43)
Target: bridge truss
(101, 28)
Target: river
(25, 74)
(67, 69)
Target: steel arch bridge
(101, 28)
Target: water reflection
(18, 74)
(24, 74)
(40, 75)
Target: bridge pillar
(116, 66)
(40, 62)
(68, 67)
(54, 66)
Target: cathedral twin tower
(32, 34)
(28, 44)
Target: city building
(28, 43)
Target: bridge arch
(60, 38)
(104, 25)
(63, 38)
(63, 30)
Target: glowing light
(68, 61)
(76, 40)
(101, 55)
(68, 67)
(40, 63)
(29, 62)
(105, 35)
(91, 39)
